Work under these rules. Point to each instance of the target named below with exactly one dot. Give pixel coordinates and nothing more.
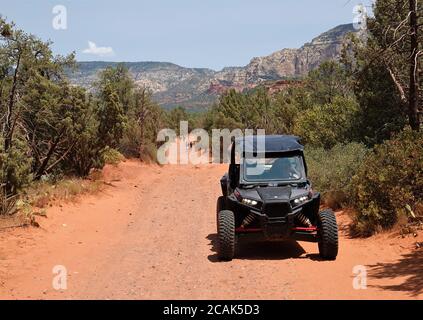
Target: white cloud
(98, 51)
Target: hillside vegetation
(51, 129)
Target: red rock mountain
(196, 88)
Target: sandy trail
(152, 236)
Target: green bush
(130, 143)
(328, 124)
(112, 156)
(331, 171)
(15, 168)
(145, 119)
(389, 183)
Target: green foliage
(381, 112)
(129, 145)
(15, 166)
(215, 119)
(331, 171)
(50, 129)
(111, 117)
(396, 31)
(118, 78)
(15, 173)
(389, 180)
(325, 97)
(328, 124)
(327, 82)
(286, 110)
(256, 109)
(381, 69)
(87, 151)
(53, 116)
(36, 119)
(112, 156)
(145, 119)
(174, 117)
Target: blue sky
(192, 33)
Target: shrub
(148, 153)
(15, 168)
(41, 194)
(331, 171)
(87, 152)
(389, 184)
(112, 156)
(130, 143)
(328, 124)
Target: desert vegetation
(51, 130)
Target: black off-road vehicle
(266, 192)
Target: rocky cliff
(196, 88)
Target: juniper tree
(397, 28)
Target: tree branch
(397, 84)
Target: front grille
(277, 209)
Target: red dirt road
(152, 234)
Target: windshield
(274, 169)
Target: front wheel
(220, 206)
(226, 235)
(328, 235)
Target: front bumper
(280, 228)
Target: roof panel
(276, 143)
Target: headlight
(249, 202)
(300, 200)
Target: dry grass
(19, 219)
(41, 195)
(149, 154)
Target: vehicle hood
(284, 193)
(275, 193)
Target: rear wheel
(226, 235)
(328, 235)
